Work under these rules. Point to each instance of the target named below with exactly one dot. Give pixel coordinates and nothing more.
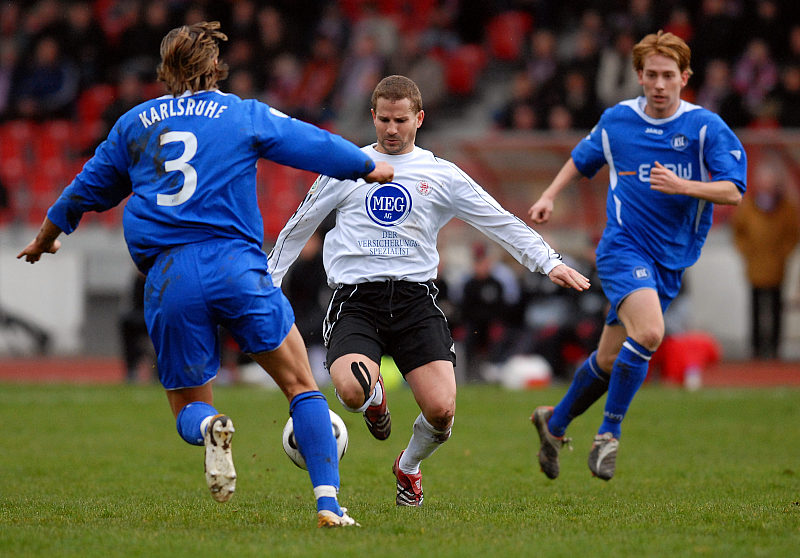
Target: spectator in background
(9, 70)
(720, 36)
(763, 19)
(138, 45)
(306, 287)
(482, 311)
(616, 78)
(274, 37)
(48, 86)
(284, 78)
(559, 119)
(787, 97)
(313, 96)
(136, 344)
(766, 231)
(717, 94)
(680, 24)
(755, 74)
(793, 55)
(130, 92)
(542, 63)
(519, 112)
(243, 21)
(243, 84)
(576, 94)
(83, 38)
(361, 68)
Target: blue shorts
(193, 289)
(624, 268)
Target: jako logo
(388, 204)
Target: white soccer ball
(526, 372)
(290, 445)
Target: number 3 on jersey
(181, 164)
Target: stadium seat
(94, 101)
(464, 66)
(57, 139)
(16, 140)
(506, 35)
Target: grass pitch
(101, 471)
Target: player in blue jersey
(187, 163)
(669, 162)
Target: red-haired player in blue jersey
(669, 161)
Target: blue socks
(630, 370)
(588, 385)
(314, 436)
(190, 418)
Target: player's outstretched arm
(564, 276)
(541, 211)
(722, 192)
(383, 172)
(46, 242)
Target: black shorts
(396, 318)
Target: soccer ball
(290, 445)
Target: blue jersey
(190, 164)
(694, 143)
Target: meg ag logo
(388, 204)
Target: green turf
(100, 471)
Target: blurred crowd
(529, 64)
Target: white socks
(424, 441)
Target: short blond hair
(190, 58)
(665, 44)
(397, 88)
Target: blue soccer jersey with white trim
(694, 143)
(190, 164)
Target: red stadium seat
(16, 140)
(507, 34)
(57, 139)
(464, 66)
(94, 101)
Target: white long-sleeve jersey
(389, 231)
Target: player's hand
(664, 180)
(564, 276)
(33, 251)
(383, 172)
(541, 211)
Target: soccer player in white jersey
(192, 224)
(669, 162)
(381, 259)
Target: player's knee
(440, 416)
(606, 361)
(650, 338)
(350, 394)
